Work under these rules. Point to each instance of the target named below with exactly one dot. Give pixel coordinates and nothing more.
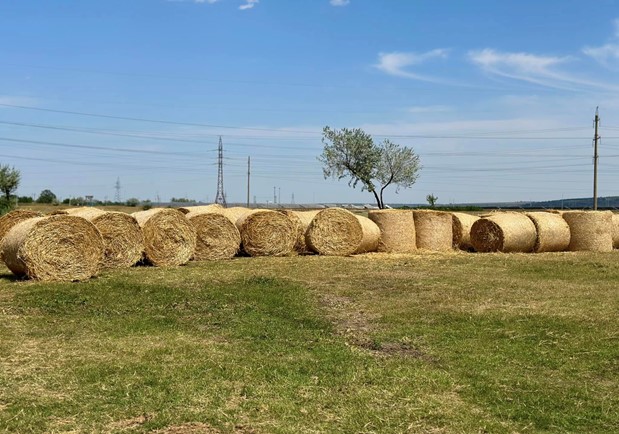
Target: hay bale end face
(217, 236)
(54, 248)
(397, 230)
(590, 230)
(122, 235)
(267, 233)
(553, 232)
(504, 232)
(433, 230)
(461, 225)
(334, 232)
(8, 220)
(169, 238)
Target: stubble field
(375, 343)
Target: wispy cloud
(607, 54)
(18, 100)
(396, 63)
(249, 5)
(532, 68)
(339, 2)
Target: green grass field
(454, 343)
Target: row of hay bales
(75, 244)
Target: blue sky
(496, 97)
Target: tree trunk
(379, 202)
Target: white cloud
(18, 100)
(339, 2)
(532, 68)
(607, 54)
(395, 63)
(249, 5)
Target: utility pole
(274, 195)
(596, 139)
(279, 195)
(248, 174)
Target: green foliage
(353, 154)
(6, 205)
(25, 199)
(47, 196)
(146, 205)
(431, 200)
(182, 200)
(132, 202)
(9, 181)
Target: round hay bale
(397, 230)
(461, 224)
(267, 233)
(504, 232)
(236, 212)
(213, 207)
(371, 235)
(217, 236)
(338, 232)
(301, 220)
(553, 232)
(8, 220)
(58, 212)
(590, 230)
(122, 235)
(616, 231)
(433, 230)
(169, 238)
(54, 248)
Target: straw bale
(371, 235)
(267, 233)
(58, 212)
(213, 207)
(338, 232)
(591, 230)
(169, 238)
(616, 231)
(433, 230)
(397, 230)
(8, 220)
(236, 212)
(461, 224)
(504, 232)
(553, 232)
(301, 220)
(54, 248)
(217, 236)
(122, 235)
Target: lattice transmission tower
(220, 197)
(117, 188)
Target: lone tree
(46, 196)
(9, 181)
(431, 200)
(353, 154)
